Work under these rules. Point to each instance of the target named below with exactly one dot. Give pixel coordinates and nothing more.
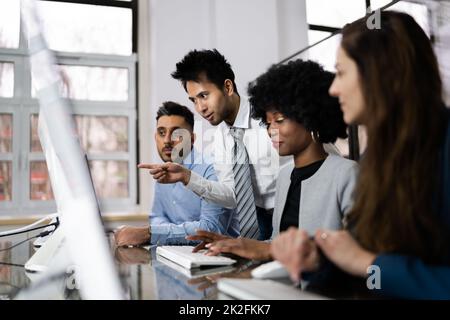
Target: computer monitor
(80, 222)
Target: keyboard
(195, 272)
(184, 256)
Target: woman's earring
(315, 137)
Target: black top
(290, 214)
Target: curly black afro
(299, 90)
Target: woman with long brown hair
(388, 80)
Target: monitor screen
(75, 198)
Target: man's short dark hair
(299, 90)
(170, 108)
(209, 63)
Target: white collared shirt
(264, 163)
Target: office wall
(252, 34)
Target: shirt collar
(243, 116)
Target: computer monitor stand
(42, 257)
(47, 270)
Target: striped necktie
(246, 209)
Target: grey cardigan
(325, 197)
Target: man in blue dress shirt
(177, 211)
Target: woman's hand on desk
(168, 172)
(205, 237)
(296, 251)
(344, 251)
(243, 247)
(131, 236)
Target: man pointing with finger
(245, 161)
(178, 212)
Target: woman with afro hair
(315, 190)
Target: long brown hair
(402, 88)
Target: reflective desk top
(144, 275)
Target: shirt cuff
(195, 183)
(167, 234)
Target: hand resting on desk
(134, 255)
(131, 236)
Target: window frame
(22, 105)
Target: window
(5, 151)
(334, 13)
(324, 18)
(85, 28)
(324, 52)
(416, 10)
(95, 49)
(9, 23)
(327, 17)
(6, 79)
(94, 83)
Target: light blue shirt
(178, 212)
